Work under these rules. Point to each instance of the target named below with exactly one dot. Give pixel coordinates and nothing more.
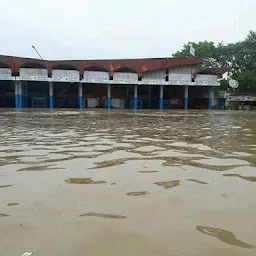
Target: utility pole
(37, 52)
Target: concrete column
(161, 98)
(17, 95)
(51, 95)
(80, 96)
(20, 94)
(211, 98)
(135, 100)
(186, 97)
(149, 96)
(109, 97)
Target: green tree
(205, 49)
(239, 57)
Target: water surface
(122, 183)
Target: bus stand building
(153, 83)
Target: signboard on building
(65, 75)
(180, 82)
(125, 78)
(153, 82)
(96, 77)
(206, 83)
(196, 83)
(33, 74)
(5, 74)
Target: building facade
(162, 83)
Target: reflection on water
(168, 184)
(139, 193)
(36, 168)
(5, 186)
(224, 236)
(148, 171)
(251, 179)
(108, 164)
(12, 204)
(198, 181)
(101, 215)
(3, 215)
(84, 181)
(49, 162)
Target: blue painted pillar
(135, 100)
(210, 98)
(109, 97)
(161, 98)
(51, 95)
(80, 96)
(186, 97)
(20, 95)
(17, 89)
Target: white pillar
(135, 100)
(51, 95)
(161, 97)
(17, 94)
(211, 98)
(20, 95)
(109, 97)
(186, 97)
(80, 95)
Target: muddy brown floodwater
(118, 183)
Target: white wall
(65, 75)
(209, 78)
(33, 74)
(5, 74)
(125, 78)
(96, 77)
(154, 77)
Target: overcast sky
(95, 29)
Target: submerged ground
(122, 183)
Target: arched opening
(64, 67)
(126, 70)
(34, 83)
(124, 79)
(33, 65)
(96, 68)
(95, 89)
(65, 78)
(4, 65)
(7, 87)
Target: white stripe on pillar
(135, 91)
(186, 92)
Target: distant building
(242, 102)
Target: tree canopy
(239, 57)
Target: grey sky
(93, 29)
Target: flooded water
(120, 183)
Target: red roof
(138, 65)
(214, 71)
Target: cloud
(81, 29)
